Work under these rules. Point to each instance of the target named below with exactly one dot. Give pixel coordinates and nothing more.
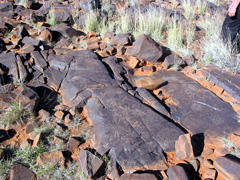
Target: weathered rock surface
(120, 121)
(228, 168)
(19, 171)
(145, 48)
(177, 173)
(90, 164)
(183, 147)
(187, 100)
(136, 176)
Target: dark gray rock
(3, 28)
(173, 60)
(188, 100)
(8, 62)
(145, 48)
(62, 13)
(66, 31)
(5, 7)
(22, 32)
(122, 39)
(177, 173)
(121, 123)
(19, 172)
(228, 168)
(39, 61)
(135, 176)
(90, 164)
(31, 41)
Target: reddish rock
(43, 115)
(38, 140)
(133, 62)
(51, 158)
(207, 152)
(46, 35)
(92, 45)
(228, 168)
(20, 172)
(209, 174)
(177, 173)
(59, 114)
(183, 147)
(145, 48)
(103, 45)
(147, 83)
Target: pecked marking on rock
(135, 134)
(195, 107)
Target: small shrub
(201, 6)
(189, 12)
(91, 22)
(231, 147)
(51, 18)
(15, 115)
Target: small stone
(121, 50)
(73, 143)
(67, 119)
(46, 35)
(51, 158)
(59, 114)
(228, 168)
(209, 174)
(133, 62)
(207, 152)
(27, 48)
(30, 127)
(91, 34)
(90, 164)
(43, 115)
(183, 147)
(177, 173)
(103, 45)
(21, 32)
(20, 172)
(148, 69)
(38, 140)
(172, 60)
(92, 46)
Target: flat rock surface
(121, 122)
(188, 100)
(223, 79)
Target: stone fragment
(51, 158)
(207, 152)
(30, 127)
(23, 74)
(66, 31)
(147, 83)
(3, 28)
(187, 99)
(27, 48)
(183, 147)
(90, 164)
(145, 48)
(39, 61)
(209, 174)
(38, 140)
(133, 62)
(189, 60)
(22, 32)
(59, 114)
(62, 13)
(5, 7)
(46, 35)
(73, 143)
(172, 60)
(43, 115)
(176, 172)
(122, 39)
(135, 176)
(31, 41)
(20, 172)
(228, 168)
(92, 45)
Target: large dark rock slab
(177, 173)
(228, 168)
(145, 48)
(19, 172)
(196, 108)
(135, 134)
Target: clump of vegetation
(51, 18)
(16, 114)
(232, 148)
